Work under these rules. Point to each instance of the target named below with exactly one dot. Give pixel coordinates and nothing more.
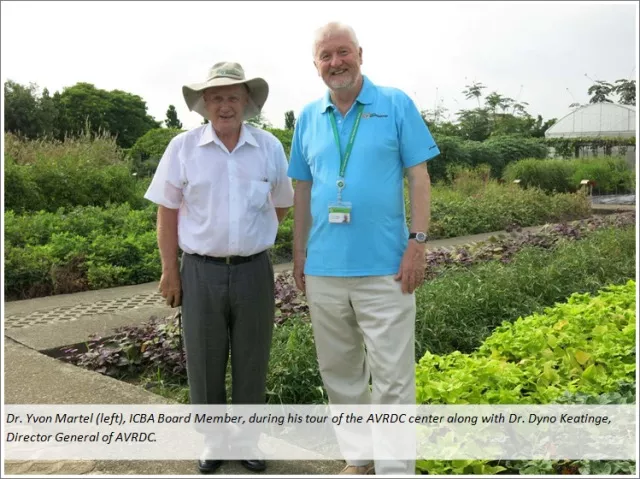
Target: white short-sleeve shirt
(226, 200)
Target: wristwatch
(420, 237)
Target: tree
(626, 91)
(259, 121)
(289, 120)
(434, 117)
(599, 91)
(438, 122)
(48, 113)
(494, 101)
(474, 91)
(474, 124)
(117, 113)
(539, 127)
(172, 118)
(21, 110)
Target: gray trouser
(227, 307)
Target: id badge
(340, 213)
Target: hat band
(233, 74)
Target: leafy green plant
(458, 467)
(581, 351)
(586, 345)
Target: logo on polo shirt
(374, 115)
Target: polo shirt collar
(209, 135)
(365, 96)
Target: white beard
(341, 82)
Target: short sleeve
(166, 188)
(416, 142)
(298, 165)
(282, 194)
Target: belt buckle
(228, 260)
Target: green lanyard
(345, 159)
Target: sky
(543, 53)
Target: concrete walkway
(43, 324)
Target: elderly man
(222, 189)
(353, 254)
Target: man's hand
(171, 289)
(412, 267)
(298, 272)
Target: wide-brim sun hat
(225, 74)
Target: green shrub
(102, 276)
(83, 248)
(21, 191)
(149, 148)
(452, 152)
(548, 175)
(510, 148)
(460, 308)
(610, 174)
(46, 175)
(27, 271)
(482, 153)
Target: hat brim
(258, 94)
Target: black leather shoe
(256, 465)
(209, 465)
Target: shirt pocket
(259, 195)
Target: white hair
(330, 29)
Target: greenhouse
(601, 122)
(596, 120)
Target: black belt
(231, 260)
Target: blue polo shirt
(391, 136)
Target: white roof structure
(596, 120)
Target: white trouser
(351, 314)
